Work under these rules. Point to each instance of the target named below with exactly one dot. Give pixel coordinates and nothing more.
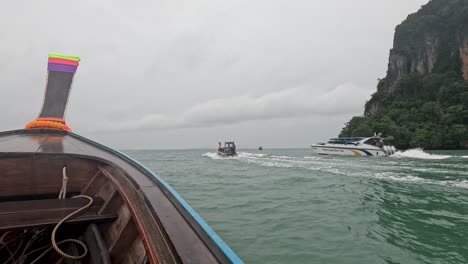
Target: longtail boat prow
(67, 199)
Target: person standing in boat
(220, 148)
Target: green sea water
(292, 206)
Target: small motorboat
(229, 149)
(355, 146)
(67, 199)
(260, 148)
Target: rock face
(407, 59)
(464, 58)
(434, 39)
(423, 99)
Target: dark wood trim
(150, 245)
(112, 204)
(94, 185)
(36, 213)
(171, 229)
(119, 248)
(98, 253)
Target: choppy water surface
(291, 206)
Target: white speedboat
(354, 146)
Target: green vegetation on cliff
(429, 111)
(423, 100)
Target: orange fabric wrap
(47, 124)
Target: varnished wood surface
(171, 232)
(36, 213)
(40, 174)
(152, 232)
(98, 253)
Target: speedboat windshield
(345, 140)
(374, 142)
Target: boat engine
(389, 150)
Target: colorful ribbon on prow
(62, 63)
(61, 69)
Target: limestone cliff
(464, 57)
(434, 39)
(423, 99)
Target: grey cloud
(232, 110)
(168, 67)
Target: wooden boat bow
(136, 217)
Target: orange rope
(46, 124)
(61, 120)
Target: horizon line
(204, 148)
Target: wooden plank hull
(138, 217)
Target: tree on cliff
(423, 100)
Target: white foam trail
(215, 156)
(251, 155)
(466, 157)
(283, 157)
(273, 164)
(418, 153)
(315, 164)
(389, 177)
(459, 184)
(266, 160)
(413, 179)
(240, 155)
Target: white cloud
(199, 64)
(294, 102)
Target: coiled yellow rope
(62, 194)
(54, 231)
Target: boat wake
(419, 153)
(252, 155)
(240, 155)
(384, 169)
(215, 156)
(418, 180)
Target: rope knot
(63, 190)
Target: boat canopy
(349, 138)
(354, 140)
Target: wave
(466, 157)
(240, 155)
(414, 179)
(246, 155)
(266, 160)
(419, 153)
(251, 155)
(215, 156)
(273, 164)
(459, 184)
(283, 157)
(336, 167)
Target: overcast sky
(169, 74)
